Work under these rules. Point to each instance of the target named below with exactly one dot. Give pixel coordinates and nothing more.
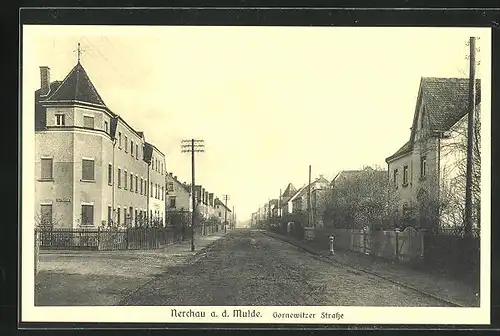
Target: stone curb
(189, 260)
(311, 250)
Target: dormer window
(60, 120)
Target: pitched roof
(298, 193)
(77, 86)
(183, 185)
(445, 100)
(346, 175)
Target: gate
(410, 245)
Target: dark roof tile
(77, 86)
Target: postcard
(256, 174)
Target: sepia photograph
(212, 174)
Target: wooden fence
(101, 239)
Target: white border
(367, 315)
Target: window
(106, 129)
(87, 214)
(126, 144)
(87, 170)
(125, 179)
(395, 178)
(141, 185)
(110, 174)
(405, 175)
(120, 178)
(88, 122)
(137, 152)
(132, 147)
(172, 202)
(118, 215)
(46, 215)
(170, 186)
(120, 140)
(162, 193)
(423, 166)
(136, 183)
(60, 120)
(131, 182)
(110, 217)
(151, 193)
(46, 169)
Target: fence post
(397, 243)
(98, 238)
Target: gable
(444, 101)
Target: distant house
(274, 204)
(424, 167)
(285, 198)
(178, 195)
(318, 190)
(222, 212)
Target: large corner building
(92, 167)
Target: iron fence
(109, 238)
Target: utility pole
(309, 199)
(226, 197)
(470, 136)
(279, 206)
(193, 146)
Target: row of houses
(427, 170)
(93, 168)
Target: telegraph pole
(279, 206)
(226, 197)
(309, 199)
(193, 146)
(470, 136)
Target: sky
(267, 101)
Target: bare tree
(454, 152)
(359, 200)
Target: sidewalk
(103, 278)
(433, 284)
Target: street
(250, 268)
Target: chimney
(44, 80)
(175, 177)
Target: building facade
(156, 177)
(178, 195)
(422, 168)
(89, 163)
